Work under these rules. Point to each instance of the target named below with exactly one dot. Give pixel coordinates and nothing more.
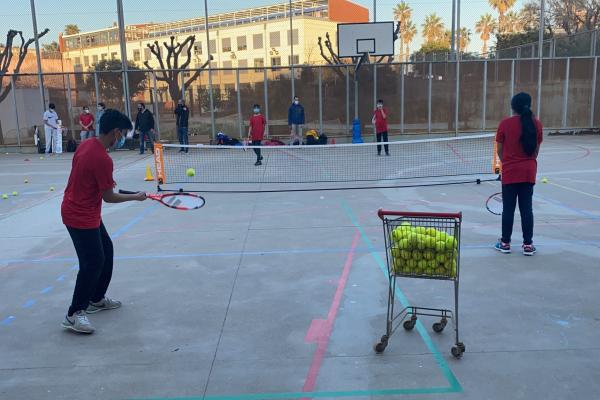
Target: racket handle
(127, 192)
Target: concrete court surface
(276, 296)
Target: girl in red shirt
(519, 138)
(256, 131)
(381, 127)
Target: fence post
(97, 89)
(239, 103)
(374, 94)
(402, 67)
(566, 94)
(457, 102)
(347, 100)
(320, 69)
(593, 102)
(512, 84)
(266, 87)
(429, 98)
(155, 102)
(14, 99)
(69, 105)
(484, 115)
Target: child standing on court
(379, 119)
(519, 138)
(256, 131)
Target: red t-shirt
(91, 175)
(257, 127)
(381, 124)
(517, 167)
(86, 120)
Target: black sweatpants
(382, 137)
(95, 253)
(257, 151)
(523, 193)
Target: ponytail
(521, 104)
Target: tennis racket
(177, 200)
(494, 204)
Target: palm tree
(465, 39)
(408, 33)
(512, 22)
(433, 28)
(72, 29)
(502, 6)
(402, 14)
(485, 27)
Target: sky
(97, 14)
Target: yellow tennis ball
(441, 258)
(41, 158)
(26, 181)
(15, 193)
(421, 229)
(428, 255)
(405, 254)
(190, 172)
(404, 244)
(5, 196)
(440, 246)
(395, 251)
(52, 188)
(431, 231)
(544, 180)
(451, 242)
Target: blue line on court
(60, 278)
(133, 222)
(566, 207)
(47, 290)
(8, 320)
(28, 303)
(454, 384)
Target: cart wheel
(384, 339)
(438, 327)
(461, 346)
(380, 347)
(410, 324)
(456, 352)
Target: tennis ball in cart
(190, 172)
(430, 242)
(441, 258)
(440, 245)
(451, 242)
(404, 244)
(431, 231)
(397, 235)
(395, 252)
(421, 229)
(405, 254)
(428, 255)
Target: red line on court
(587, 153)
(320, 329)
(456, 153)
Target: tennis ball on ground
(41, 158)
(15, 193)
(190, 172)
(52, 188)
(544, 180)
(26, 181)
(5, 196)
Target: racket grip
(127, 192)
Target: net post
(402, 71)
(159, 163)
(484, 97)
(429, 97)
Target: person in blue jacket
(296, 121)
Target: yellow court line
(575, 190)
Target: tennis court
(283, 295)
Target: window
(113, 56)
(243, 64)
(147, 54)
(275, 61)
(137, 56)
(275, 39)
(197, 48)
(295, 61)
(257, 41)
(86, 61)
(77, 60)
(104, 56)
(259, 64)
(226, 45)
(241, 43)
(214, 65)
(227, 64)
(95, 59)
(212, 46)
(294, 37)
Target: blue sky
(96, 14)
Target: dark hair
(142, 104)
(256, 106)
(114, 119)
(102, 105)
(51, 106)
(380, 101)
(521, 104)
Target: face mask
(296, 102)
(139, 108)
(256, 110)
(379, 105)
(86, 111)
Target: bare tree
(6, 58)
(170, 66)
(331, 58)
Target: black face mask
(139, 108)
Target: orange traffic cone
(149, 176)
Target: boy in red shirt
(256, 131)
(519, 138)
(381, 126)
(86, 120)
(90, 182)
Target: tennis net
(443, 157)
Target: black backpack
(71, 146)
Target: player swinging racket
(90, 182)
(256, 131)
(519, 138)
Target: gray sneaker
(78, 322)
(104, 304)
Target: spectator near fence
(144, 124)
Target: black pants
(257, 151)
(95, 253)
(382, 137)
(523, 192)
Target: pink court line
(320, 329)
(456, 153)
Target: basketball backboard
(372, 38)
